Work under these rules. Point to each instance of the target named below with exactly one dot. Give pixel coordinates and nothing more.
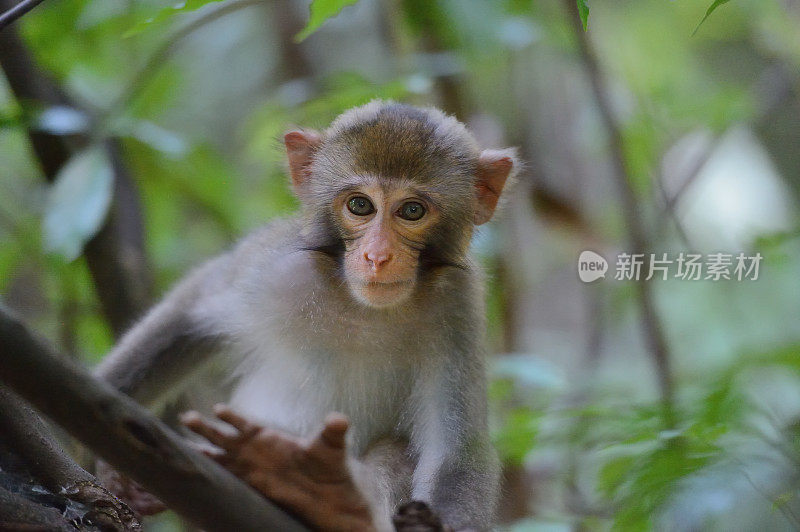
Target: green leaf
(182, 6)
(583, 11)
(78, 202)
(614, 473)
(322, 10)
(710, 10)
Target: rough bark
(47, 462)
(20, 514)
(45, 479)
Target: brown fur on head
(394, 162)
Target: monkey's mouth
(387, 284)
(383, 293)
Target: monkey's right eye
(360, 206)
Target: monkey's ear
(494, 167)
(300, 147)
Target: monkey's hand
(309, 478)
(140, 501)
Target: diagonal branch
(672, 201)
(130, 438)
(46, 461)
(634, 219)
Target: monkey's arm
(173, 340)
(457, 470)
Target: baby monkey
(366, 303)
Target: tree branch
(50, 466)
(634, 219)
(19, 513)
(17, 11)
(22, 429)
(130, 438)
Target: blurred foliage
(642, 472)
(200, 131)
(78, 202)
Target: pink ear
(300, 147)
(494, 168)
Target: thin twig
(165, 49)
(691, 176)
(634, 220)
(671, 202)
(784, 509)
(17, 11)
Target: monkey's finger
(333, 433)
(194, 422)
(220, 457)
(201, 446)
(245, 427)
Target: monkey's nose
(377, 259)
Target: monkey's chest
(294, 391)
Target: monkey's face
(393, 193)
(385, 227)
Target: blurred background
(137, 141)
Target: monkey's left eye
(411, 210)
(360, 206)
